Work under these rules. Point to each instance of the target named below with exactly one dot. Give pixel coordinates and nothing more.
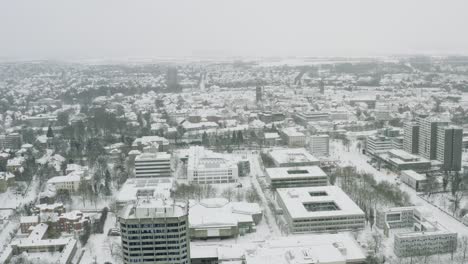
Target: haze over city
(54, 29)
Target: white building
(319, 145)
(207, 167)
(293, 157)
(70, 183)
(153, 165)
(319, 209)
(287, 177)
(134, 188)
(376, 144)
(293, 138)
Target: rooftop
(292, 155)
(153, 208)
(146, 187)
(295, 172)
(310, 202)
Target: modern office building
(377, 144)
(220, 218)
(428, 128)
(207, 167)
(399, 160)
(289, 177)
(303, 118)
(153, 165)
(319, 209)
(155, 231)
(449, 147)
(428, 238)
(411, 137)
(413, 179)
(293, 138)
(319, 145)
(293, 157)
(139, 188)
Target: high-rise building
(172, 81)
(428, 137)
(321, 86)
(258, 93)
(449, 147)
(155, 231)
(411, 137)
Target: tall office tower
(155, 231)
(321, 86)
(258, 93)
(411, 137)
(172, 80)
(428, 137)
(449, 147)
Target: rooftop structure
(319, 209)
(207, 167)
(293, 157)
(303, 176)
(133, 189)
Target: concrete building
(207, 167)
(293, 157)
(153, 165)
(411, 137)
(319, 209)
(428, 128)
(155, 231)
(219, 218)
(172, 80)
(69, 183)
(426, 238)
(429, 238)
(319, 145)
(398, 160)
(293, 138)
(258, 94)
(376, 144)
(303, 118)
(7, 179)
(133, 189)
(413, 179)
(449, 147)
(288, 177)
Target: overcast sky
(85, 29)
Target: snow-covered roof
(294, 200)
(295, 172)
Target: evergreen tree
(50, 133)
(240, 137)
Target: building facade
(411, 137)
(428, 128)
(153, 165)
(155, 231)
(449, 147)
(319, 145)
(207, 167)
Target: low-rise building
(217, 217)
(319, 209)
(207, 167)
(293, 138)
(293, 157)
(413, 179)
(153, 165)
(288, 177)
(7, 179)
(135, 188)
(377, 144)
(398, 160)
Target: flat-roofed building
(428, 128)
(413, 179)
(135, 188)
(293, 157)
(303, 118)
(319, 145)
(153, 165)
(319, 209)
(399, 160)
(428, 238)
(449, 147)
(376, 144)
(207, 167)
(303, 176)
(293, 138)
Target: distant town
(235, 161)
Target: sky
(114, 29)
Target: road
(356, 158)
